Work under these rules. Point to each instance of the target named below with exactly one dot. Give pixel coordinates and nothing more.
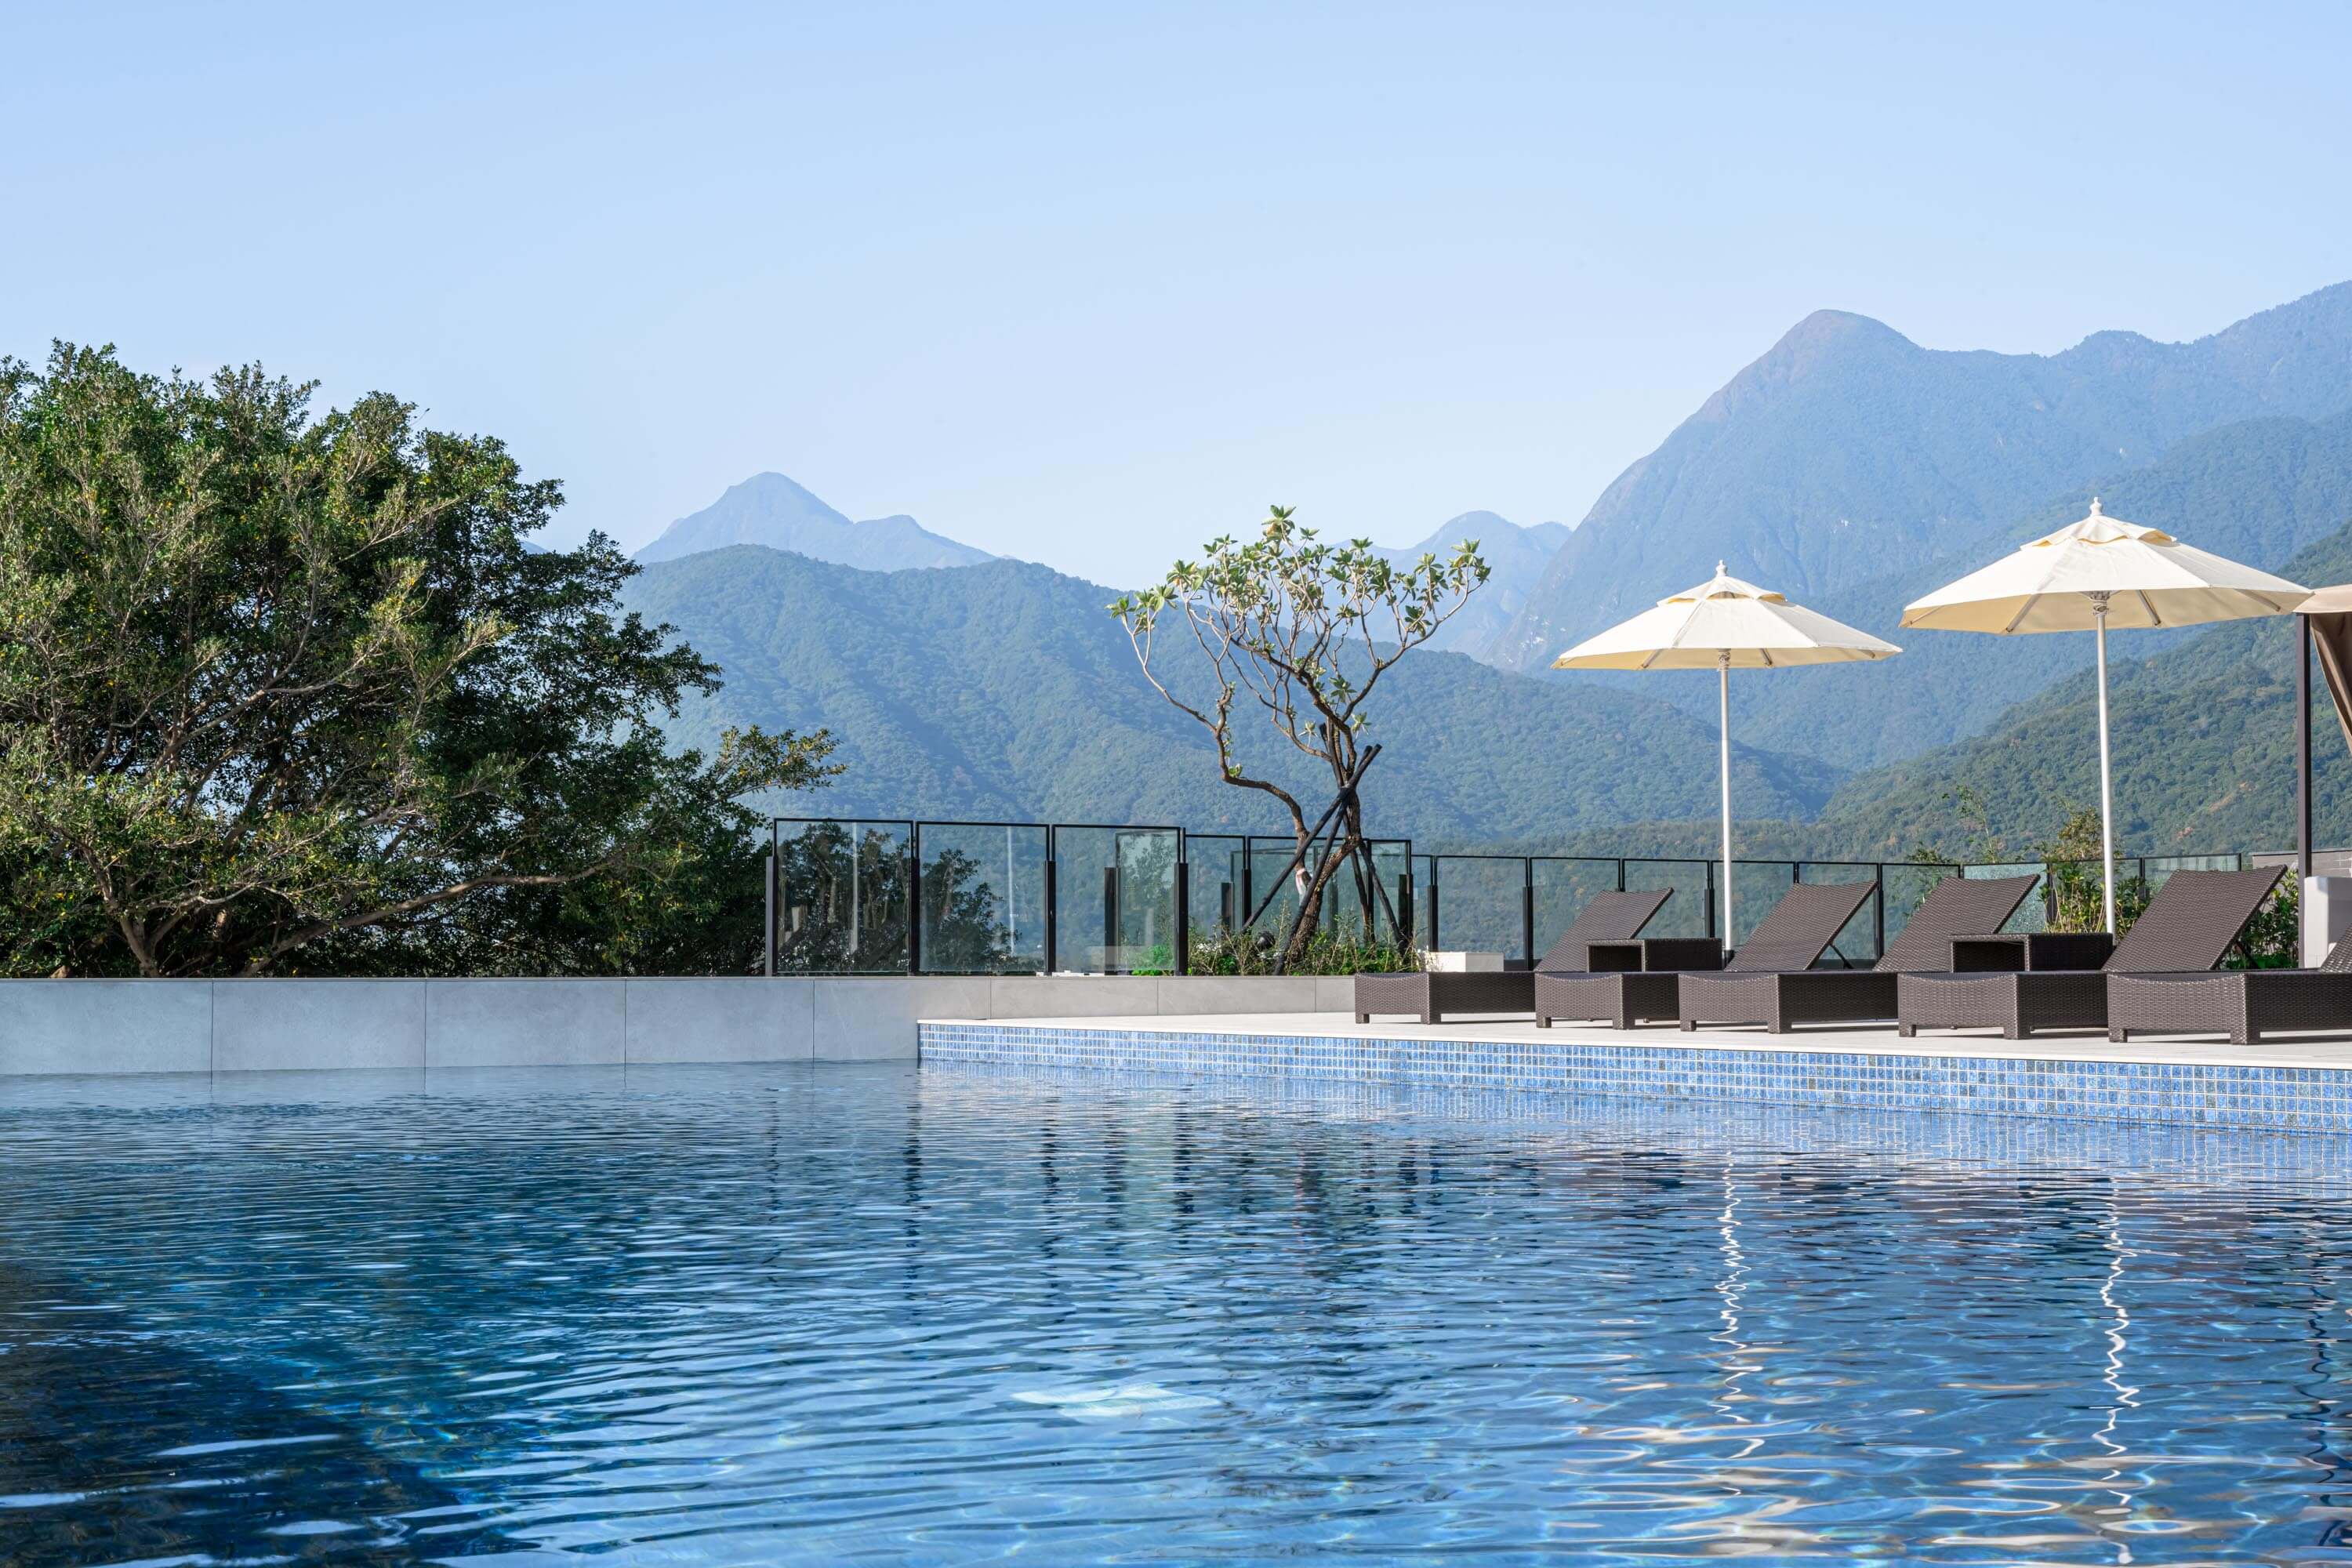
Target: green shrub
(1326, 953)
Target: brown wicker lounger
(1800, 928)
(1780, 1000)
(2188, 925)
(2241, 1002)
(1607, 917)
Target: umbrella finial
(2094, 507)
(1718, 568)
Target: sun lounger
(1798, 930)
(1782, 999)
(2241, 1002)
(2187, 927)
(1431, 996)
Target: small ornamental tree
(1297, 634)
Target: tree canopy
(1302, 631)
(283, 691)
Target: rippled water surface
(845, 1315)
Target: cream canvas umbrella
(2095, 573)
(1723, 625)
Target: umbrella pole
(2107, 782)
(1723, 703)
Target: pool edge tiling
(2269, 1097)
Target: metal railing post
(1712, 921)
(1053, 903)
(1528, 908)
(914, 898)
(1435, 943)
(1181, 944)
(1879, 868)
(768, 924)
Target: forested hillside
(1007, 690)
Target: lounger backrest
(2192, 920)
(1959, 906)
(2339, 957)
(1804, 922)
(1607, 917)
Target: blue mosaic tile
(2190, 1094)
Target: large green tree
(289, 691)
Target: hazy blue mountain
(1006, 690)
(1515, 556)
(771, 510)
(1848, 453)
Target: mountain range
(1847, 453)
(1848, 467)
(1007, 690)
(771, 510)
(1515, 558)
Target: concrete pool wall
(239, 1025)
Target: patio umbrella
(1721, 625)
(2088, 575)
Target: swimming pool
(877, 1314)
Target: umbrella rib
(2145, 603)
(2024, 610)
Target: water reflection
(846, 1315)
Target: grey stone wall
(254, 1026)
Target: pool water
(845, 1315)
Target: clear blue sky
(1090, 283)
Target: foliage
(1325, 951)
(2076, 888)
(282, 692)
(1302, 631)
(2273, 938)
(1968, 840)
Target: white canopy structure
(1722, 624)
(2087, 577)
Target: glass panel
(1906, 886)
(1115, 899)
(1392, 864)
(984, 897)
(1214, 899)
(1562, 889)
(1479, 904)
(1270, 872)
(2035, 913)
(1857, 944)
(843, 909)
(1687, 912)
(1425, 871)
(1759, 886)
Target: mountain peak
(773, 509)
